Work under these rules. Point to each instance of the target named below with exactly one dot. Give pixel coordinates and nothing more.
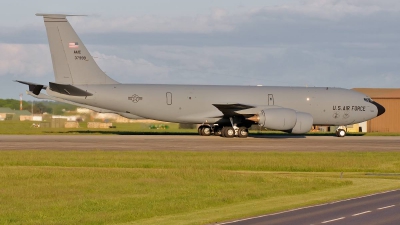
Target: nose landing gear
(341, 131)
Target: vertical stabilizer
(72, 62)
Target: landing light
(308, 99)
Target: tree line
(39, 107)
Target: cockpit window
(368, 100)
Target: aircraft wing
(236, 109)
(232, 109)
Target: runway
(198, 143)
(374, 209)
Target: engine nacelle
(303, 124)
(276, 118)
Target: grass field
(25, 127)
(150, 187)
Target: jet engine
(284, 119)
(303, 124)
(276, 118)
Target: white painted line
(306, 207)
(334, 220)
(361, 213)
(390, 206)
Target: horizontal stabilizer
(96, 109)
(68, 89)
(56, 15)
(34, 88)
(47, 97)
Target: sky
(328, 43)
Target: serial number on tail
(78, 57)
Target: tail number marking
(78, 57)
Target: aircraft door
(169, 98)
(270, 99)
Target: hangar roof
(380, 92)
(12, 111)
(6, 110)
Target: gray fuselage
(195, 103)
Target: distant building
(83, 111)
(67, 118)
(31, 118)
(390, 99)
(104, 116)
(10, 114)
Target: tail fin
(72, 62)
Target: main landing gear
(204, 130)
(236, 127)
(341, 131)
(225, 131)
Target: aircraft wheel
(199, 130)
(243, 132)
(223, 131)
(340, 133)
(217, 131)
(229, 132)
(206, 131)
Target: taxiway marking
(361, 213)
(328, 221)
(386, 207)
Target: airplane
(226, 111)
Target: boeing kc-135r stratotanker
(222, 110)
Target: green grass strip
(175, 187)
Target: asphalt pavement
(198, 143)
(382, 208)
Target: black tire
(206, 131)
(217, 131)
(223, 130)
(340, 133)
(243, 132)
(199, 130)
(229, 132)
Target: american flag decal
(73, 45)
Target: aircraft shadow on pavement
(265, 136)
(114, 132)
(119, 132)
(274, 136)
(293, 136)
(111, 132)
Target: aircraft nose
(380, 108)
